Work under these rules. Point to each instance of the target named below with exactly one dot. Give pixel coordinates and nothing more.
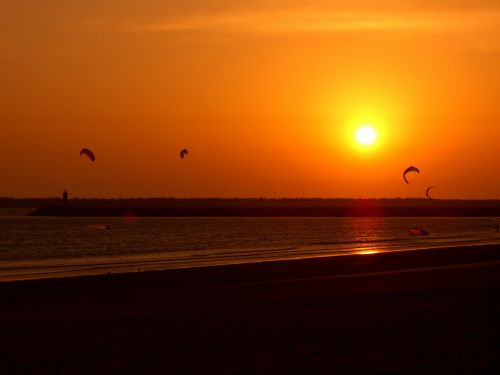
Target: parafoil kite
(184, 153)
(417, 232)
(427, 192)
(88, 153)
(408, 170)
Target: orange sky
(265, 94)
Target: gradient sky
(265, 94)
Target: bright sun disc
(366, 135)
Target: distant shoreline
(245, 202)
(267, 211)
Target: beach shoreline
(407, 312)
(83, 269)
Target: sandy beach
(432, 311)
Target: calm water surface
(34, 247)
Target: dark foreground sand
(434, 311)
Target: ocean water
(35, 247)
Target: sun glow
(366, 135)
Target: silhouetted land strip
(257, 207)
(285, 211)
(433, 311)
(245, 202)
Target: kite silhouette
(408, 170)
(88, 153)
(427, 192)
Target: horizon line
(249, 198)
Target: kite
(417, 232)
(408, 170)
(427, 192)
(88, 153)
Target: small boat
(417, 232)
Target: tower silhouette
(65, 198)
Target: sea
(44, 247)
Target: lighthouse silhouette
(65, 198)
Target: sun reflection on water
(367, 252)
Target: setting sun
(366, 135)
